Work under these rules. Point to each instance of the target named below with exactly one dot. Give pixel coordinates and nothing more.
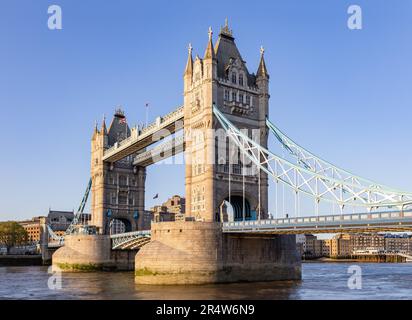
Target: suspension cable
(276, 195)
(243, 185)
(259, 193)
(230, 170)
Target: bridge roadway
(395, 221)
(140, 140)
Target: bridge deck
(349, 223)
(138, 141)
(160, 152)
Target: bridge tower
(117, 188)
(196, 250)
(221, 78)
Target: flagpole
(147, 114)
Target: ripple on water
(319, 281)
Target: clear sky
(344, 94)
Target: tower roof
(262, 71)
(104, 129)
(95, 130)
(227, 52)
(210, 51)
(118, 129)
(189, 64)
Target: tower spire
(189, 64)
(104, 129)
(95, 130)
(225, 30)
(262, 70)
(210, 51)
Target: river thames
(319, 281)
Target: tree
(12, 234)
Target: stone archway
(120, 225)
(240, 209)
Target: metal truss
(130, 240)
(80, 210)
(313, 176)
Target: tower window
(122, 181)
(234, 77)
(241, 79)
(241, 97)
(227, 96)
(234, 98)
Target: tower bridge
(220, 96)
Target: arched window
(227, 96)
(234, 77)
(234, 96)
(241, 97)
(241, 79)
(122, 180)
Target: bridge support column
(198, 252)
(83, 253)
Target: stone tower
(222, 78)
(196, 250)
(118, 189)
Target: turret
(262, 82)
(209, 60)
(188, 75)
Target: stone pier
(199, 253)
(91, 253)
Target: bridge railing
(330, 218)
(156, 151)
(131, 234)
(149, 130)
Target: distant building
(370, 241)
(59, 221)
(32, 228)
(160, 214)
(176, 205)
(309, 246)
(344, 245)
(398, 243)
(340, 246)
(171, 210)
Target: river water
(319, 281)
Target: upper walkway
(139, 140)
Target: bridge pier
(91, 253)
(190, 252)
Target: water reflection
(320, 281)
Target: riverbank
(365, 259)
(20, 260)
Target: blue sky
(345, 95)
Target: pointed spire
(104, 129)
(210, 51)
(95, 130)
(262, 71)
(225, 30)
(189, 64)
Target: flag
(156, 196)
(122, 120)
